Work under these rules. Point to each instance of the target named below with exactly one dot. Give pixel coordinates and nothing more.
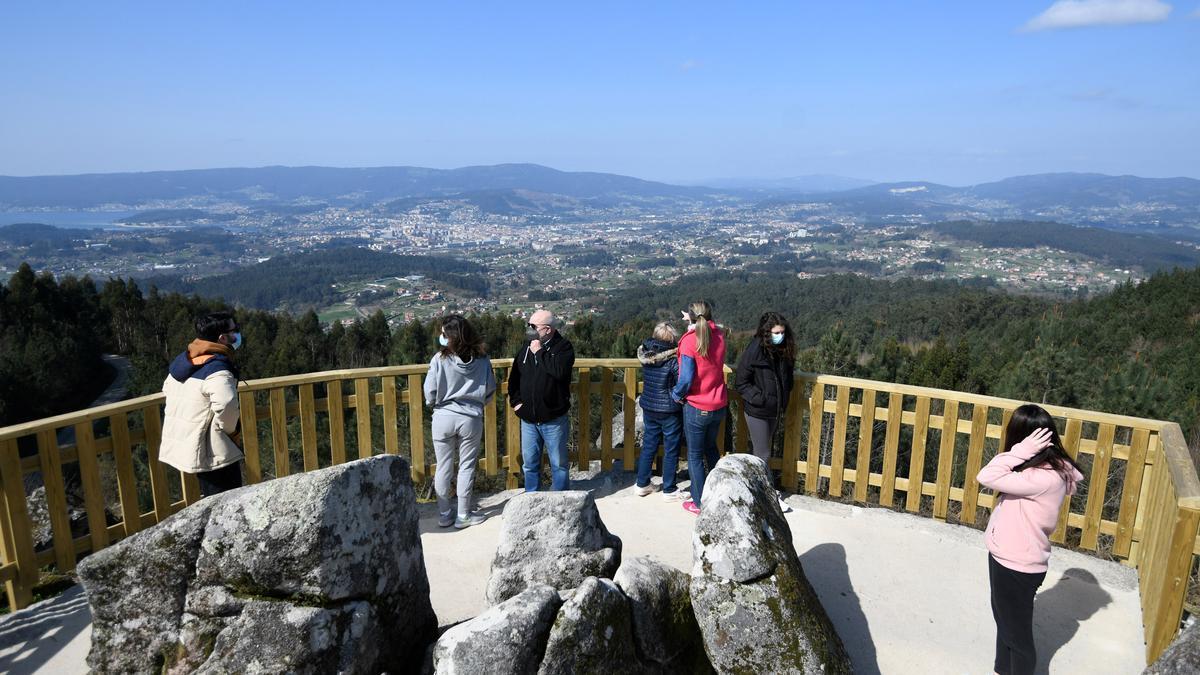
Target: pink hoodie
(1018, 533)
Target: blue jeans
(665, 428)
(701, 427)
(553, 436)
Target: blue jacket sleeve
(687, 371)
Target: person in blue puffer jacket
(661, 414)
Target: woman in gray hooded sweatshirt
(460, 382)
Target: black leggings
(1012, 608)
(219, 480)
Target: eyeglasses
(537, 326)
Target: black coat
(541, 382)
(764, 380)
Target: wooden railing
(908, 448)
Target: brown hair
(463, 341)
(768, 321)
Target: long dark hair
(768, 321)
(463, 341)
(1027, 419)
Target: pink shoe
(690, 507)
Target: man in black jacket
(539, 391)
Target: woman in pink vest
(701, 390)
(1031, 479)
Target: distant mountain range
(1072, 197)
(811, 183)
(1087, 198)
(288, 184)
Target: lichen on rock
(318, 572)
(553, 538)
(755, 607)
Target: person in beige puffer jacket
(200, 428)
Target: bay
(69, 219)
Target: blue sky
(954, 92)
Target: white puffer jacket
(202, 410)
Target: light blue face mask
(443, 341)
(237, 340)
(777, 338)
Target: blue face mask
(443, 341)
(777, 338)
(237, 340)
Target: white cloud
(690, 64)
(1081, 13)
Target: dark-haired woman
(701, 390)
(765, 372)
(460, 382)
(1031, 478)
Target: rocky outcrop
(593, 633)
(317, 572)
(755, 608)
(137, 591)
(1182, 657)
(618, 427)
(508, 639)
(664, 626)
(553, 538)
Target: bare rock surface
(313, 573)
(664, 626)
(553, 538)
(756, 609)
(509, 638)
(593, 633)
(1182, 657)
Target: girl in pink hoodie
(1030, 478)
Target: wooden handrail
(932, 442)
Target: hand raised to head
(1035, 442)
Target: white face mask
(443, 341)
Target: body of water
(71, 219)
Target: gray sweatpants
(455, 435)
(762, 434)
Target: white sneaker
(784, 505)
(643, 491)
(676, 496)
(468, 520)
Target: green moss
(246, 590)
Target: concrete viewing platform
(907, 594)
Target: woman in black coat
(765, 373)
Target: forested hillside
(1133, 351)
(305, 280)
(1146, 251)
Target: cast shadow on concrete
(826, 569)
(1059, 611)
(31, 637)
(600, 483)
